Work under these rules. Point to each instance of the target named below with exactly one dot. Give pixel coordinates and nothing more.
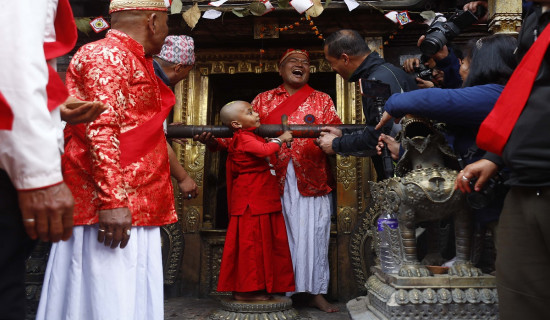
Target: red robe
(256, 254)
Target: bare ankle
(319, 302)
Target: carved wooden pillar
(505, 16)
(191, 108)
(348, 187)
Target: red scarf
(289, 105)
(137, 142)
(497, 127)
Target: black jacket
(363, 143)
(527, 152)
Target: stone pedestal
(436, 297)
(279, 307)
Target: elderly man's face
(295, 70)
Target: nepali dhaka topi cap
(126, 5)
(178, 49)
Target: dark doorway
(242, 86)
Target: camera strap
(397, 80)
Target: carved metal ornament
(441, 297)
(211, 257)
(279, 307)
(363, 245)
(423, 191)
(36, 268)
(172, 251)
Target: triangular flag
(301, 5)
(268, 6)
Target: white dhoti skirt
(85, 279)
(308, 227)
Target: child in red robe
(256, 258)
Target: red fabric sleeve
(102, 79)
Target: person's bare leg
(319, 302)
(251, 296)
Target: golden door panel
(215, 80)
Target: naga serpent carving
(423, 190)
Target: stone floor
(188, 308)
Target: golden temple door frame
(203, 243)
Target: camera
(423, 72)
(441, 32)
(379, 92)
(491, 190)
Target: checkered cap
(178, 49)
(125, 5)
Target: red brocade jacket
(249, 180)
(310, 162)
(116, 72)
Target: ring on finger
(101, 230)
(30, 220)
(128, 232)
(465, 179)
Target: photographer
(441, 70)
(488, 64)
(349, 55)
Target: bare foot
(251, 296)
(319, 302)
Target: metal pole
(264, 130)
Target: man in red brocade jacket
(303, 172)
(117, 169)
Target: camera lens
(432, 44)
(439, 33)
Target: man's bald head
(148, 27)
